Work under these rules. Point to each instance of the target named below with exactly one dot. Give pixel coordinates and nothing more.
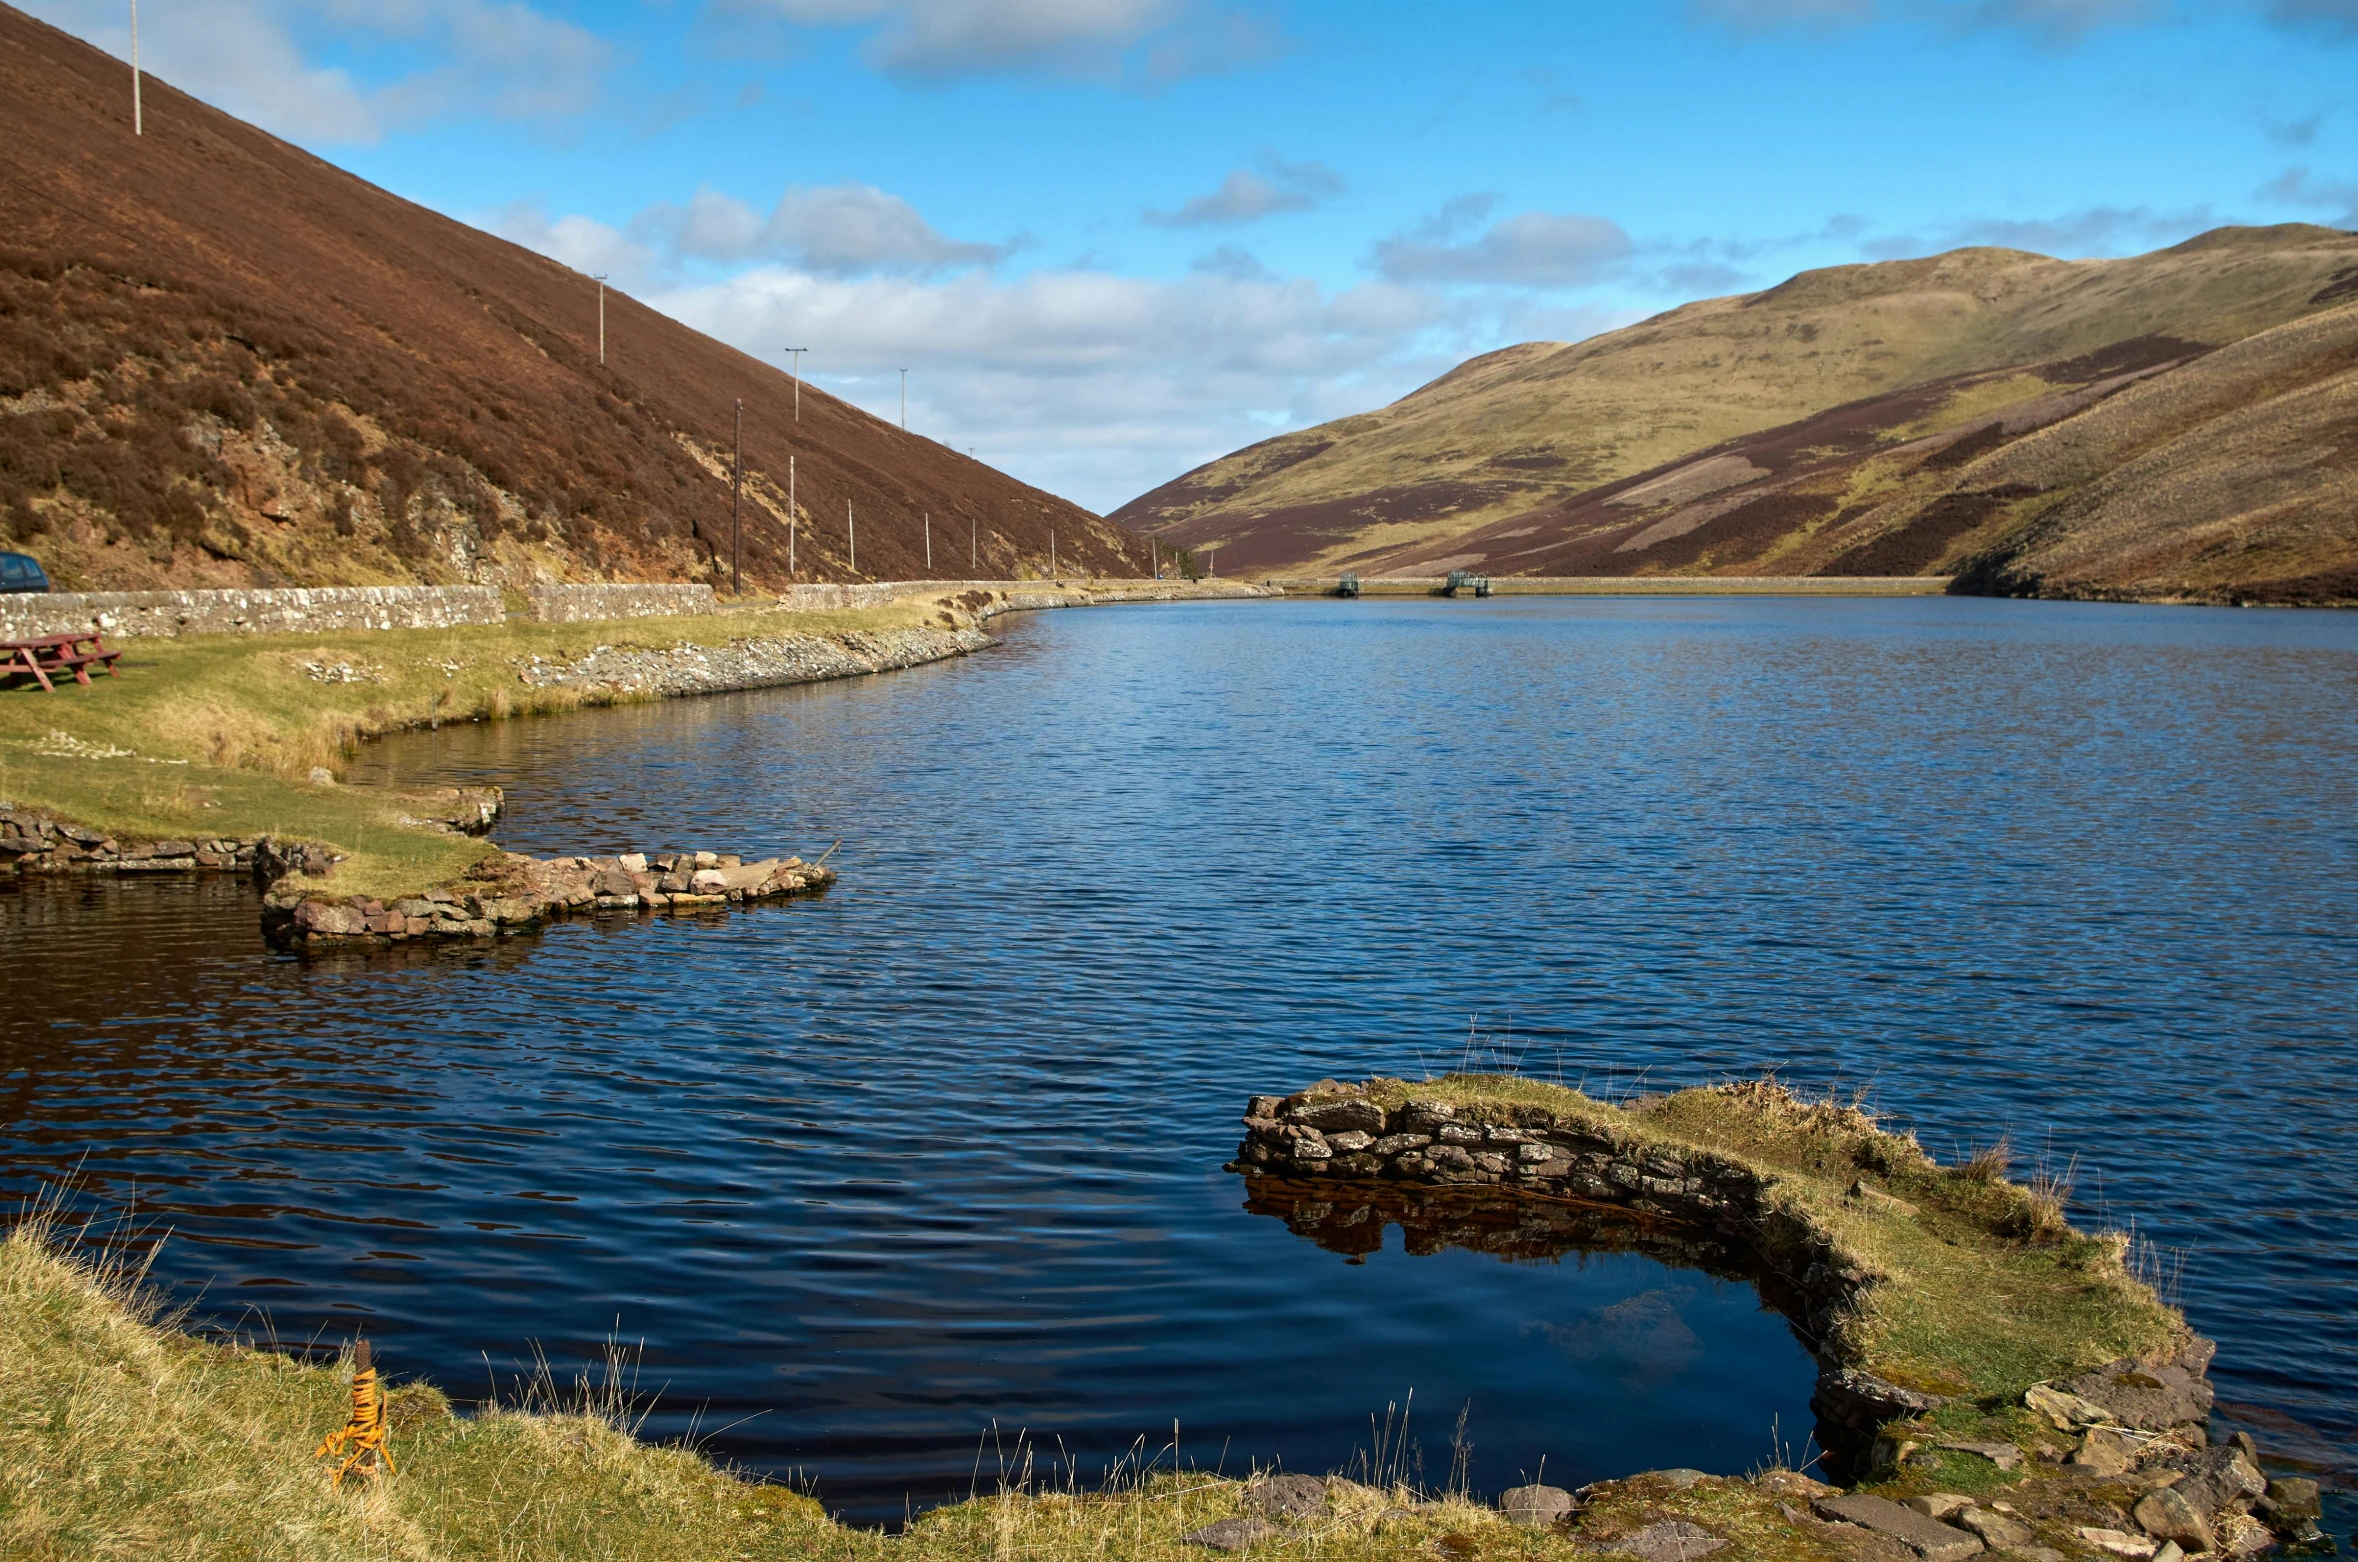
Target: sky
(1113, 239)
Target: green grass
(217, 735)
(121, 1437)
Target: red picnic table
(45, 654)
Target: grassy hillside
(225, 362)
(1776, 418)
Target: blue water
(941, 1152)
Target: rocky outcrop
(513, 894)
(35, 841)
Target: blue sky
(1115, 238)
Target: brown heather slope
(1852, 421)
(226, 362)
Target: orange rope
(365, 1432)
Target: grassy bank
(219, 735)
(121, 1436)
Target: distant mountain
(223, 361)
(2180, 424)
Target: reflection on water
(943, 1148)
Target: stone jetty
(512, 893)
(2106, 1459)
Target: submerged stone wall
(586, 604)
(278, 610)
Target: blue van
(21, 572)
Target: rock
(1231, 1534)
(2241, 1537)
(708, 881)
(326, 919)
(1534, 1507)
(175, 848)
(322, 776)
(1876, 1199)
(1997, 1530)
(2170, 1551)
(2294, 1501)
(1671, 1540)
(2152, 1398)
(1287, 1497)
(2066, 1412)
(632, 862)
(1679, 1479)
(2167, 1515)
(1792, 1483)
(2004, 1455)
(2104, 1453)
(1929, 1539)
(1938, 1505)
(2217, 1478)
(2119, 1543)
(1393, 1144)
(1359, 1116)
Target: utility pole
(138, 123)
(601, 280)
(1053, 571)
(796, 354)
(789, 517)
(973, 548)
(737, 513)
(904, 401)
(852, 531)
(929, 542)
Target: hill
(226, 362)
(2175, 424)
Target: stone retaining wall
(585, 604)
(287, 610)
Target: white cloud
(1093, 385)
(941, 40)
(2298, 187)
(1248, 196)
(841, 230)
(248, 57)
(2089, 232)
(1529, 249)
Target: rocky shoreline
(2112, 1462)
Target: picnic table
(45, 654)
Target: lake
(885, 1188)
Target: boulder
(1939, 1505)
(1535, 1507)
(1671, 1540)
(1928, 1538)
(2151, 1398)
(327, 919)
(2065, 1411)
(2119, 1542)
(2167, 1515)
(1287, 1497)
(1230, 1534)
(1359, 1116)
(2000, 1531)
(2104, 1452)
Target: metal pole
(929, 542)
(789, 517)
(973, 548)
(138, 121)
(851, 530)
(1053, 571)
(601, 278)
(737, 513)
(796, 354)
(904, 401)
